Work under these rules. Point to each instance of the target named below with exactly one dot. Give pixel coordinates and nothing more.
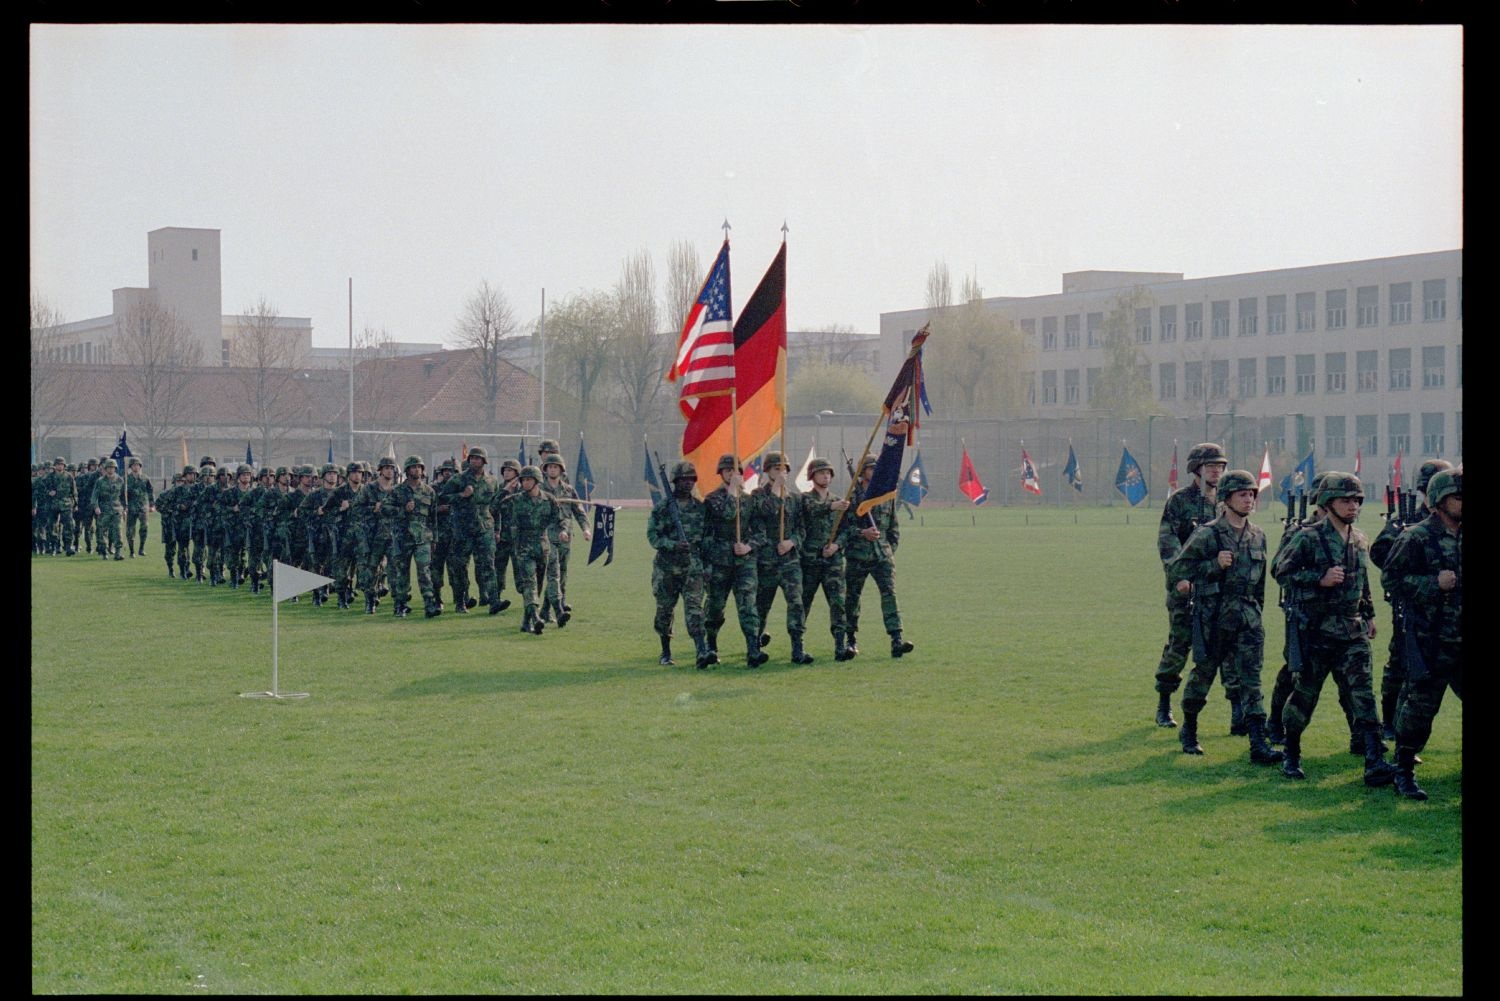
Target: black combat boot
(431, 610)
(754, 657)
(401, 610)
(527, 615)
(130, 544)
(1406, 779)
(765, 638)
(369, 603)
(1188, 735)
(318, 599)
(1291, 761)
(1261, 753)
(343, 599)
(118, 556)
(851, 648)
(499, 605)
(1237, 725)
(461, 604)
(536, 623)
(169, 571)
(666, 652)
(1275, 732)
(562, 614)
(470, 602)
(899, 646)
(1164, 710)
(705, 656)
(711, 639)
(799, 655)
(840, 651)
(1378, 771)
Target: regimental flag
(604, 534)
(902, 410)
(705, 360)
(583, 476)
(914, 483)
(1298, 481)
(651, 484)
(463, 452)
(759, 379)
(1395, 471)
(121, 452)
(1264, 480)
(804, 482)
(1129, 480)
(1358, 460)
(249, 455)
(968, 481)
(1172, 473)
(1071, 471)
(521, 454)
(1029, 481)
(751, 473)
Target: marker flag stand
(286, 582)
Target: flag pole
(785, 465)
(734, 446)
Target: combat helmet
(386, 461)
(549, 445)
(507, 464)
(207, 460)
(1204, 453)
(554, 459)
(1336, 485)
(413, 460)
(1445, 483)
(531, 471)
(282, 471)
(1428, 470)
(479, 451)
(134, 460)
(242, 469)
(60, 461)
(450, 466)
(869, 463)
(818, 466)
(772, 460)
(1236, 479)
(684, 470)
(726, 462)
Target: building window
(1432, 434)
(1070, 333)
(1247, 378)
(1192, 380)
(1049, 386)
(1273, 430)
(1275, 314)
(1367, 305)
(1221, 317)
(1218, 383)
(1366, 368)
(1049, 336)
(1399, 363)
(1336, 302)
(1307, 312)
(1143, 326)
(1333, 437)
(1093, 382)
(1168, 315)
(1096, 325)
(1028, 331)
(1435, 299)
(1031, 391)
(1432, 367)
(1334, 371)
(1192, 319)
(1249, 317)
(1070, 385)
(1367, 433)
(224, 352)
(1307, 373)
(195, 253)
(1400, 299)
(1276, 375)
(1398, 433)
(1166, 377)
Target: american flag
(705, 351)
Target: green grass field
(461, 808)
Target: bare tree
(976, 360)
(581, 335)
(374, 382)
(832, 344)
(1124, 385)
(683, 280)
(268, 357)
(484, 326)
(161, 359)
(939, 287)
(641, 353)
(52, 380)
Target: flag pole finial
(784, 231)
(726, 227)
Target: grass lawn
(461, 808)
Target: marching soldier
(56, 502)
(469, 494)
(510, 482)
(166, 508)
(84, 515)
(1424, 571)
(412, 539)
(870, 544)
(730, 551)
(675, 531)
(777, 518)
(1335, 621)
(140, 501)
(822, 560)
(442, 527)
(533, 513)
(561, 541)
(1225, 561)
(104, 501)
(383, 519)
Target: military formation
(1216, 567)
(80, 510)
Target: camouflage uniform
(819, 571)
(105, 501)
(875, 559)
(473, 532)
(557, 562)
(504, 541)
(1333, 627)
(384, 518)
(140, 497)
(320, 517)
(182, 519)
(1434, 626)
(38, 511)
(166, 510)
(235, 512)
(58, 497)
(442, 527)
(677, 570)
(411, 535)
(532, 519)
(774, 519)
(728, 572)
(344, 559)
(84, 517)
(1185, 510)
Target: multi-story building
(1358, 357)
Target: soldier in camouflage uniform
(104, 500)
(166, 509)
(510, 483)
(411, 535)
(1424, 572)
(344, 556)
(776, 517)
(234, 509)
(870, 546)
(1394, 674)
(1185, 510)
(140, 501)
(442, 527)
(729, 550)
(822, 560)
(84, 515)
(1335, 620)
(55, 502)
(258, 526)
(561, 541)
(383, 517)
(675, 531)
(470, 494)
(1225, 560)
(197, 499)
(182, 518)
(533, 513)
(218, 529)
(319, 512)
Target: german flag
(759, 379)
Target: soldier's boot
(1388, 715)
(754, 656)
(765, 639)
(317, 598)
(711, 638)
(1188, 735)
(370, 603)
(536, 622)
(526, 616)
(799, 655)
(169, 571)
(131, 544)
(1406, 779)
(1357, 743)
(899, 646)
(343, 599)
(705, 656)
(851, 648)
(567, 607)
(561, 613)
(117, 554)
(1291, 761)
(499, 605)
(1261, 753)
(461, 603)
(840, 651)
(1237, 725)
(430, 609)
(1164, 710)
(666, 652)
(1275, 732)
(470, 602)
(1378, 771)
(401, 610)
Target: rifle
(672, 507)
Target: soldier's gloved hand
(1184, 586)
(1447, 580)
(1226, 557)
(344, 506)
(1333, 578)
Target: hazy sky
(419, 161)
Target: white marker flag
(804, 482)
(287, 581)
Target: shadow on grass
(503, 680)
